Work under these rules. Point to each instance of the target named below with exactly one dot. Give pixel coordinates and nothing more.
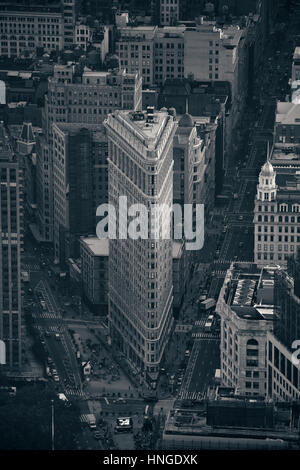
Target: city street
(235, 243)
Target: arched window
(252, 342)
(283, 207)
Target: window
(283, 207)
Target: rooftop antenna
(268, 151)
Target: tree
(25, 420)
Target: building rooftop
(249, 290)
(6, 152)
(296, 53)
(288, 113)
(73, 128)
(246, 422)
(147, 126)
(99, 247)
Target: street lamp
(52, 424)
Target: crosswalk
(84, 418)
(30, 267)
(71, 392)
(46, 314)
(202, 335)
(219, 272)
(43, 294)
(188, 395)
(50, 328)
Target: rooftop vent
(150, 113)
(138, 116)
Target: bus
(123, 424)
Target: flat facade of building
(213, 53)
(73, 195)
(157, 53)
(168, 54)
(169, 12)
(94, 272)
(140, 271)
(25, 31)
(283, 372)
(24, 27)
(80, 184)
(11, 241)
(135, 48)
(283, 375)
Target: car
(97, 435)
(121, 400)
(47, 334)
(57, 336)
(56, 378)
(241, 217)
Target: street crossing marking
(188, 395)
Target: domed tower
(267, 188)
(186, 121)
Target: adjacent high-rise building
(157, 53)
(11, 240)
(218, 54)
(169, 12)
(276, 211)
(80, 184)
(140, 270)
(26, 25)
(190, 165)
(283, 369)
(77, 96)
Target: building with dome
(277, 211)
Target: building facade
(82, 97)
(94, 273)
(140, 271)
(276, 215)
(80, 184)
(27, 26)
(11, 242)
(169, 12)
(283, 372)
(245, 306)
